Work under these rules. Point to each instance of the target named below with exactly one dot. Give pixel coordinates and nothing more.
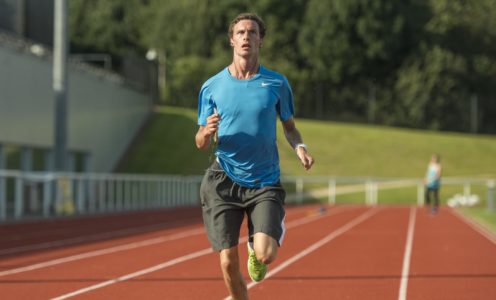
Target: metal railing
(25, 195)
(41, 194)
(335, 186)
(370, 187)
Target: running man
(239, 107)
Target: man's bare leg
(234, 280)
(265, 247)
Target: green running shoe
(256, 269)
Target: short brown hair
(248, 16)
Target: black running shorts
(224, 204)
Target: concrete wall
(103, 114)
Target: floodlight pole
(60, 50)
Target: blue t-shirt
(248, 110)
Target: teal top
(433, 180)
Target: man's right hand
(212, 125)
(206, 132)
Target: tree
(351, 47)
(105, 26)
(454, 62)
(410, 63)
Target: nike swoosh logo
(264, 84)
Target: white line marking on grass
(407, 256)
(334, 234)
(103, 251)
(181, 259)
(475, 226)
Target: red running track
(346, 252)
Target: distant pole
(319, 100)
(372, 105)
(473, 114)
(60, 50)
(490, 195)
(162, 69)
(3, 194)
(21, 18)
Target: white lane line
(407, 256)
(136, 274)
(133, 245)
(475, 226)
(103, 251)
(86, 238)
(123, 247)
(184, 258)
(334, 234)
(313, 217)
(93, 237)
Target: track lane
(365, 262)
(85, 252)
(450, 260)
(77, 274)
(28, 237)
(54, 253)
(51, 281)
(199, 278)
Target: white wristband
(301, 145)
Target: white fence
(41, 194)
(25, 195)
(331, 187)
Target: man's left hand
(305, 158)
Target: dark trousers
(434, 192)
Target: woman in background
(433, 182)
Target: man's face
(246, 39)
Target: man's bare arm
(293, 137)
